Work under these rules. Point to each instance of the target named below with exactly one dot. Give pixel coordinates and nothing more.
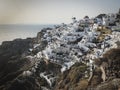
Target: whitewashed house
(109, 19)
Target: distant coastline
(9, 32)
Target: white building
(109, 19)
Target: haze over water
(22, 18)
(10, 32)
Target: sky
(52, 11)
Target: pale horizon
(53, 11)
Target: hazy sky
(52, 11)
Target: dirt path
(103, 73)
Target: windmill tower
(118, 16)
(74, 19)
(119, 11)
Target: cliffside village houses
(76, 42)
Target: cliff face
(83, 55)
(13, 64)
(18, 69)
(74, 78)
(12, 59)
(110, 63)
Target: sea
(11, 32)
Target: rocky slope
(82, 55)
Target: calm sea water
(11, 32)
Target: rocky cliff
(82, 55)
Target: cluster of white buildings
(74, 42)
